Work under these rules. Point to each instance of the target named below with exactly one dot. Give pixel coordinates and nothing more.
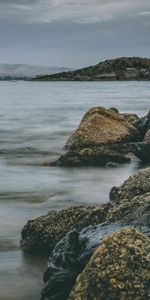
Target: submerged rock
(94, 156)
(42, 234)
(118, 269)
(135, 185)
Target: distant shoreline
(120, 69)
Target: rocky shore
(99, 252)
(124, 68)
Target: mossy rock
(101, 126)
(118, 270)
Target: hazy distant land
(124, 68)
(26, 72)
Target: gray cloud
(81, 11)
(72, 33)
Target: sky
(73, 33)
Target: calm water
(35, 121)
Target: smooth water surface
(36, 119)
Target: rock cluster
(116, 266)
(74, 234)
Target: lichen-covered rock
(42, 234)
(103, 137)
(131, 118)
(94, 156)
(118, 269)
(135, 185)
(135, 211)
(102, 126)
(71, 254)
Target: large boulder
(101, 126)
(42, 234)
(118, 269)
(103, 137)
(135, 185)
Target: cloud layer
(82, 11)
(73, 33)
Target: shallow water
(35, 121)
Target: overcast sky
(73, 33)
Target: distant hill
(26, 72)
(124, 68)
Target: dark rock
(63, 269)
(135, 185)
(94, 156)
(118, 269)
(147, 137)
(69, 258)
(131, 118)
(143, 125)
(42, 234)
(142, 151)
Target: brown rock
(135, 185)
(42, 234)
(118, 270)
(101, 126)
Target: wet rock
(42, 234)
(94, 156)
(103, 136)
(135, 212)
(143, 125)
(101, 126)
(68, 259)
(135, 185)
(131, 118)
(142, 151)
(62, 269)
(147, 137)
(118, 269)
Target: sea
(36, 119)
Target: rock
(134, 211)
(143, 125)
(135, 185)
(142, 151)
(131, 118)
(42, 234)
(131, 74)
(118, 269)
(103, 136)
(93, 156)
(64, 264)
(147, 137)
(101, 126)
(68, 259)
